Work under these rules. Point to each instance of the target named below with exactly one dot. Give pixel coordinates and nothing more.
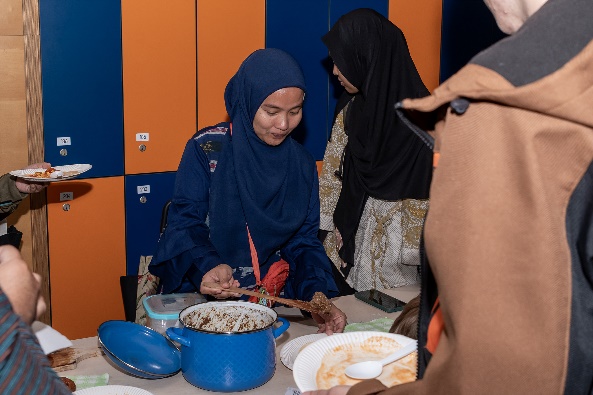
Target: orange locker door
(159, 82)
(423, 33)
(228, 31)
(86, 253)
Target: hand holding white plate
(371, 369)
(57, 173)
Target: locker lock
(142, 147)
(63, 152)
(66, 207)
(143, 199)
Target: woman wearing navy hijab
(245, 210)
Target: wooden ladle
(319, 304)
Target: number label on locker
(143, 189)
(66, 196)
(64, 141)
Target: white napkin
(50, 339)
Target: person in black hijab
(374, 192)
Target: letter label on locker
(64, 141)
(66, 196)
(143, 189)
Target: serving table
(356, 310)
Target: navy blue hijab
(266, 187)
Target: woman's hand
(332, 322)
(25, 186)
(339, 244)
(222, 275)
(339, 241)
(337, 390)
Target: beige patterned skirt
(387, 240)
(387, 245)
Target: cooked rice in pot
(222, 319)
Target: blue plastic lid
(168, 306)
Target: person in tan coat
(507, 289)
(14, 189)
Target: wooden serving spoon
(68, 358)
(299, 304)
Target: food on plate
(227, 319)
(336, 360)
(51, 173)
(42, 174)
(69, 383)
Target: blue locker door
(468, 27)
(146, 195)
(82, 84)
(296, 26)
(336, 10)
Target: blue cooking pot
(227, 361)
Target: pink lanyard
(254, 259)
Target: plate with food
(321, 364)
(290, 350)
(112, 390)
(52, 174)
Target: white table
(356, 311)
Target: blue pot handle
(282, 328)
(175, 335)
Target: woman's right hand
(222, 275)
(339, 242)
(333, 322)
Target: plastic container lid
(168, 306)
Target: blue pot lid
(139, 350)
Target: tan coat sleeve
(367, 387)
(10, 196)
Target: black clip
(459, 106)
(340, 172)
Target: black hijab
(384, 158)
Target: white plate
(79, 169)
(290, 350)
(308, 361)
(112, 390)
